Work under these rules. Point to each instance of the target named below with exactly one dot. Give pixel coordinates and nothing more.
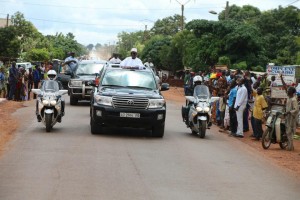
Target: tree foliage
(23, 41)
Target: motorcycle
(49, 103)
(197, 111)
(275, 128)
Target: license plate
(130, 115)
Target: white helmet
(52, 74)
(197, 79)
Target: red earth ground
(288, 160)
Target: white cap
(134, 50)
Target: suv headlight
(156, 103)
(76, 83)
(103, 100)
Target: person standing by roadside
(2, 83)
(13, 79)
(232, 113)
(240, 105)
(292, 110)
(186, 82)
(36, 79)
(30, 82)
(291, 113)
(260, 104)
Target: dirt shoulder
(8, 124)
(286, 159)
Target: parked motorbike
(275, 128)
(49, 103)
(197, 111)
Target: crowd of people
(16, 82)
(244, 97)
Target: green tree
(167, 26)
(242, 14)
(10, 45)
(38, 55)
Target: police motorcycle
(50, 105)
(275, 128)
(197, 111)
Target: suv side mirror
(164, 87)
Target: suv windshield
(127, 78)
(89, 68)
(201, 92)
(50, 86)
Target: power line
(101, 8)
(293, 2)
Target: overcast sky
(100, 21)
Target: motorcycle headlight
(45, 102)
(156, 103)
(53, 102)
(103, 100)
(76, 83)
(199, 109)
(206, 109)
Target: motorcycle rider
(197, 80)
(52, 75)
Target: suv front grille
(130, 102)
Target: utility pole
(227, 10)
(182, 12)
(7, 20)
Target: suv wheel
(95, 128)
(158, 131)
(73, 100)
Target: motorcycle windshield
(201, 92)
(50, 86)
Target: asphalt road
(70, 163)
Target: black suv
(128, 98)
(86, 72)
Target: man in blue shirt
(232, 113)
(13, 79)
(71, 61)
(36, 79)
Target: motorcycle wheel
(266, 139)
(202, 128)
(48, 120)
(284, 142)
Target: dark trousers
(36, 86)
(222, 115)
(245, 119)
(233, 120)
(258, 131)
(252, 123)
(7, 91)
(12, 90)
(29, 89)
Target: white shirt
(241, 96)
(129, 62)
(115, 60)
